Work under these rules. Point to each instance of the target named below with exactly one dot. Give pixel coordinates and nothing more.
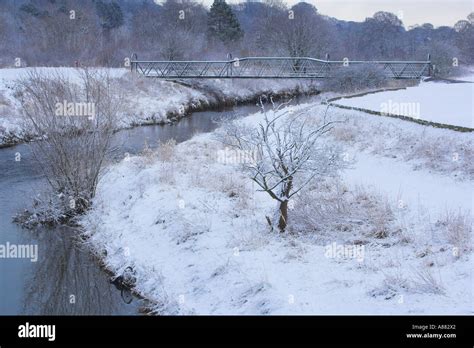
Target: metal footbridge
(273, 67)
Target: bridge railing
(273, 67)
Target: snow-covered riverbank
(193, 228)
(145, 101)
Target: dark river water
(66, 279)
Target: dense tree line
(105, 32)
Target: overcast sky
(436, 12)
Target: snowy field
(445, 103)
(145, 101)
(193, 228)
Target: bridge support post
(429, 64)
(133, 57)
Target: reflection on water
(133, 140)
(67, 281)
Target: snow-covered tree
(288, 154)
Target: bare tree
(382, 36)
(465, 37)
(296, 32)
(178, 28)
(288, 154)
(75, 121)
(178, 44)
(70, 31)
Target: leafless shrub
(329, 207)
(457, 228)
(422, 282)
(235, 187)
(147, 155)
(392, 285)
(248, 238)
(344, 133)
(426, 282)
(166, 151)
(193, 226)
(356, 78)
(167, 173)
(377, 209)
(75, 120)
(396, 281)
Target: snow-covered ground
(193, 228)
(145, 101)
(434, 193)
(438, 102)
(468, 75)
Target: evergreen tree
(31, 9)
(110, 14)
(222, 23)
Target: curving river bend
(66, 278)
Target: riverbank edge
(211, 101)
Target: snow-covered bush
(393, 284)
(396, 283)
(166, 150)
(76, 121)
(457, 228)
(356, 78)
(329, 210)
(147, 155)
(46, 210)
(442, 55)
(426, 282)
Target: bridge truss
(273, 67)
